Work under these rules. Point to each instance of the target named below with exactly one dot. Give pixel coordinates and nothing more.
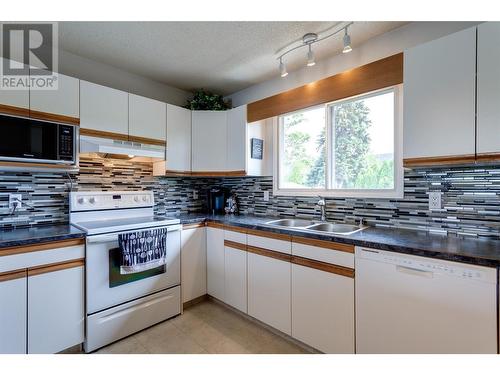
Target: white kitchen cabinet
(269, 289)
(209, 141)
(235, 276)
(55, 310)
(64, 101)
(103, 108)
(323, 309)
(193, 263)
(215, 263)
(488, 88)
(439, 97)
(14, 98)
(178, 139)
(13, 326)
(147, 118)
(236, 139)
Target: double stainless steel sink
(312, 226)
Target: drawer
(237, 235)
(40, 254)
(324, 251)
(270, 241)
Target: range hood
(130, 149)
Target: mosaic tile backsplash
(471, 197)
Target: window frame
(328, 191)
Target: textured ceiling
(221, 56)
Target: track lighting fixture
(311, 38)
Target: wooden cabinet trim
(14, 111)
(439, 160)
(14, 250)
(269, 253)
(149, 141)
(39, 115)
(171, 172)
(193, 226)
(235, 245)
(373, 76)
(276, 236)
(323, 266)
(233, 228)
(103, 134)
(12, 275)
(219, 174)
(214, 224)
(53, 267)
(488, 156)
(324, 244)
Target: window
(348, 148)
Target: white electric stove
(119, 305)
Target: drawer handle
(415, 272)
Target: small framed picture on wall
(257, 148)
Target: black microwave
(25, 139)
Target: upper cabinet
(103, 109)
(488, 91)
(178, 139)
(236, 139)
(61, 104)
(439, 100)
(147, 120)
(209, 141)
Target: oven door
(107, 288)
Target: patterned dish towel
(144, 250)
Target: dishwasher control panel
(418, 263)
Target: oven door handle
(102, 238)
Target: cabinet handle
(415, 271)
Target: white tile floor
(207, 327)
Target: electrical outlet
(195, 194)
(266, 196)
(14, 200)
(435, 200)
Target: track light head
(283, 71)
(310, 57)
(347, 42)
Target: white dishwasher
(413, 304)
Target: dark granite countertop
(40, 234)
(477, 251)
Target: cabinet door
(103, 108)
(13, 313)
(215, 263)
(236, 139)
(193, 263)
(178, 139)
(323, 309)
(64, 101)
(209, 142)
(13, 98)
(488, 88)
(269, 291)
(55, 309)
(235, 271)
(439, 84)
(147, 118)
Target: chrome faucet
(322, 205)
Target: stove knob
(92, 200)
(82, 200)
(145, 198)
(136, 198)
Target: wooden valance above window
(376, 75)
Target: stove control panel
(91, 200)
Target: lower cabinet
(13, 326)
(55, 309)
(193, 262)
(235, 268)
(323, 309)
(215, 262)
(269, 291)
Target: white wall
(107, 75)
(374, 49)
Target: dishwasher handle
(415, 272)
